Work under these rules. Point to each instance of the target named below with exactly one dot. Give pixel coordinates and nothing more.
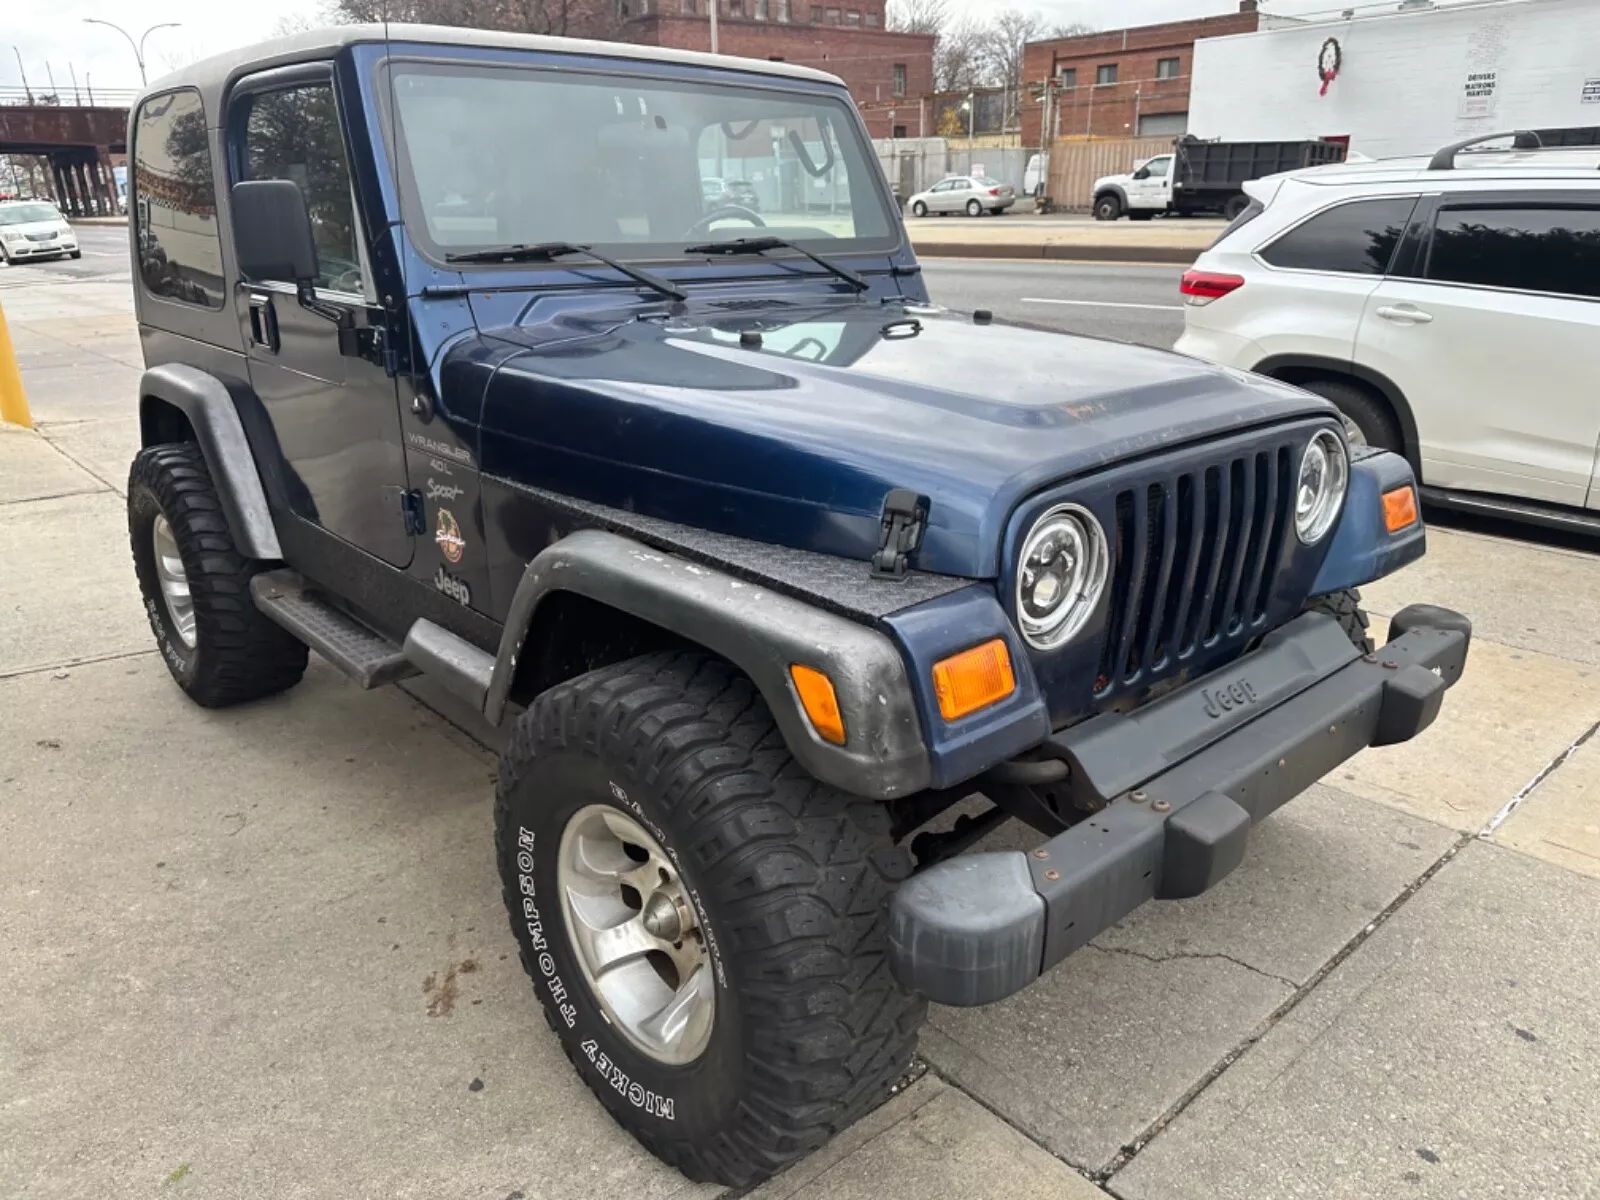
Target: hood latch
(905, 516)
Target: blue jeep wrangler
(454, 369)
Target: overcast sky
(52, 32)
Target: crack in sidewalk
(1175, 955)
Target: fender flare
(1376, 380)
(759, 631)
(214, 418)
(1111, 190)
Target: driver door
(333, 409)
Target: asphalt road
(1110, 300)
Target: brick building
(887, 73)
(1122, 82)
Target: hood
(50, 225)
(1125, 177)
(797, 440)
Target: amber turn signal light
(1400, 508)
(973, 679)
(821, 705)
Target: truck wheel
(196, 585)
(703, 922)
(974, 209)
(1345, 608)
(1107, 208)
(1235, 206)
(1367, 420)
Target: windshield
(633, 166)
(24, 214)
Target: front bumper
(1183, 779)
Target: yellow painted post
(13, 404)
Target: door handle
(263, 323)
(1404, 314)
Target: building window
(1166, 68)
(1066, 78)
(761, 10)
(833, 16)
(872, 20)
(816, 15)
(736, 8)
(1105, 73)
(783, 10)
(899, 131)
(688, 8)
(853, 17)
(899, 79)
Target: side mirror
(272, 232)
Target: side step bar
(1511, 508)
(369, 658)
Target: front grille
(40, 237)
(1194, 556)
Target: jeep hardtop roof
(214, 75)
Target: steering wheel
(703, 225)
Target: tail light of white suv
(1200, 288)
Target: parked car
(1201, 177)
(1450, 307)
(971, 194)
(763, 560)
(35, 229)
(726, 193)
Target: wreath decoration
(1329, 60)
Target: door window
(294, 134)
(1531, 249)
(1354, 239)
(175, 201)
(1158, 167)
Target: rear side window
(1353, 239)
(1531, 249)
(175, 201)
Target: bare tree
(918, 16)
(588, 18)
(1066, 29)
(1001, 49)
(958, 56)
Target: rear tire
(220, 648)
(1107, 208)
(919, 209)
(1367, 418)
(788, 881)
(1235, 206)
(974, 209)
(1345, 608)
(76, 254)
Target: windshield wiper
(760, 245)
(550, 251)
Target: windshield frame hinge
(900, 528)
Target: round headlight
(1061, 575)
(1324, 479)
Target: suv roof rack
(1521, 139)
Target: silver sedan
(971, 194)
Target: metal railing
(68, 97)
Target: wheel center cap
(661, 918)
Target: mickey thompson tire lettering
(238, 654)
(790, 877)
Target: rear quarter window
(175, 201)
(1358, 238)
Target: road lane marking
(1103, 304)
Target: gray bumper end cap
(969, 931)
(1205, 840)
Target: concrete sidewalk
(1064, 236)
(261, 952)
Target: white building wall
(1401, 89)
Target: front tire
(196, 585)
(785, 879)
(1345, 608)
(1107, 208)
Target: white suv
(1449, 306)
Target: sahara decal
(448, 534)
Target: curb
(1164, 255)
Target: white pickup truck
(1139, 194)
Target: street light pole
(137, 47)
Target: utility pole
(715, 4)
(77, 100)
(138, 47)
